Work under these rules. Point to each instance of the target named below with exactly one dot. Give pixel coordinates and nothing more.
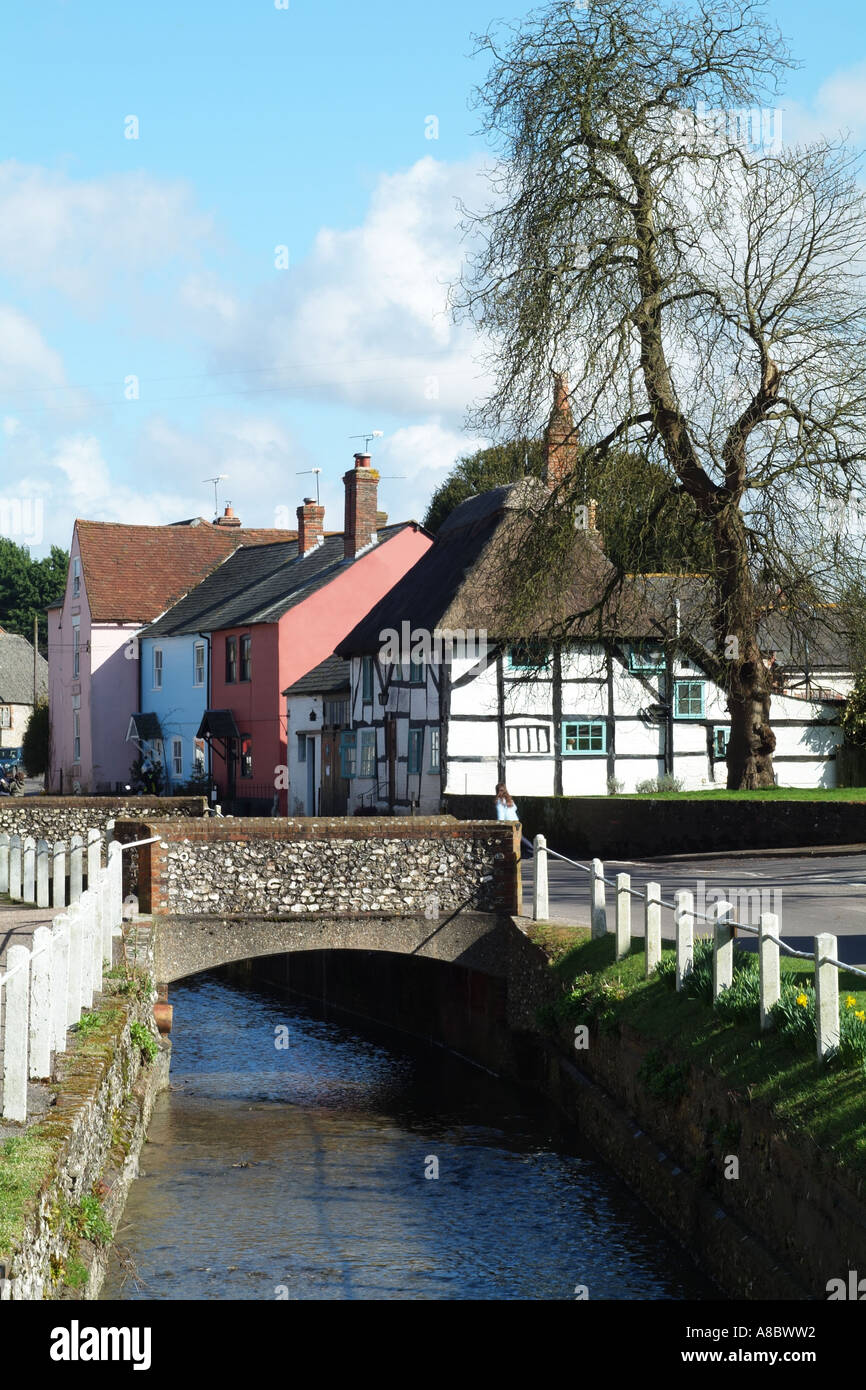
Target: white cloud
(74, 235)
(839, 107)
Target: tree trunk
(752, 741)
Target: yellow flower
(803, 1000)
(850, 1002)
(861, 1015)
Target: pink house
(120, 577)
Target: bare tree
(704, 297)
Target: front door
(335, 788)
(310, 805)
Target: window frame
(518, 729)
(245, 657)
(199, 647)
(415, 750)
(245, 757)
(76, 734)
(231, 655)
(348, 755)
(366, 680)
(176, 743)
(638, 661)
(367, 764)
(5, 716)
(76, 648)
(721, 729)
(76, 576)
(435, 750)
(417, 673)
(302, 747)
(577, 725)
(156, 666)
(515, 664)
(679, 683)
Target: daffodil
(860, 1015)
(802, 1000)
(850, 1002)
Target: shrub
(592, 999)
(144, 1041)
(614, 786)
(668, 783)
(646, 788)
(664, 1080)
(34, 745)
(794, 1014)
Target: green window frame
(367, 753)
(641, 657)
(721, 738)
(689, 699)
(416, 749)
(347, 753)
(582, 737)
(416, 672)
(530, 655)
(367, 679)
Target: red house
(289, 616)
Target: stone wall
(623, 827)
(329, 867)
(59, 817)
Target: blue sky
(154, 258)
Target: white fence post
(114, 916)
(653, 928)
(684, 917)
(771, 985)
(40, 1005)
(598, 910)
(723, 947)
(58, 876)
(28, 870)
(73, 977)
(15, 868)
(85, 904)
(826, 995)
(96, 941)
(42, 875)
(4, 863)
(94, 856)
(76, 868)
(540, 899)
(60, 981)
(623, 915)
(16, 1033)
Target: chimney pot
(228, 517)
(360, 526)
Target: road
(809, 892)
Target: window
(688, 700)
(368, 753)
(434, 750)
(177, 757)
(645, 656)
(589, 737)
(528, 655)
(231, 660)
(76, 577)
(416, 749)
(76, 728)
(76, 648)
(246, 756)
(367, 679)
(198, 664)
(347, 753)
(336, 712)
(198, 761)
(721, 736)
(302, 748)
(246, 657)
(157, 668)
(5, 717)
(527, 738)
(416, 672)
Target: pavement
(817, 889)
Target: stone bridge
(223, 890)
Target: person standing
(506, 808)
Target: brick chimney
(228, 517)
(311, 522)
(362, 486)
(560, 445)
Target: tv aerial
(373, 434)
(216, 482)
(305, 471)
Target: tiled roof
(16, 670)
(329, 676)
(133, 573)
(259, 585)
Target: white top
(504, 812)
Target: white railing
(45, 988)
(721, 918)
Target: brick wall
(332, 867)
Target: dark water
(300, 1173)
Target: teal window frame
(435, 751)
(592, 725)
(721, 729)
(638, 660)
(415, 751)
(522, 658)
(302, 748)
(692, 714)
(348, 754)
(367, 680)
(367, 753)
(416, 673)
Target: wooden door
(334, 795)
